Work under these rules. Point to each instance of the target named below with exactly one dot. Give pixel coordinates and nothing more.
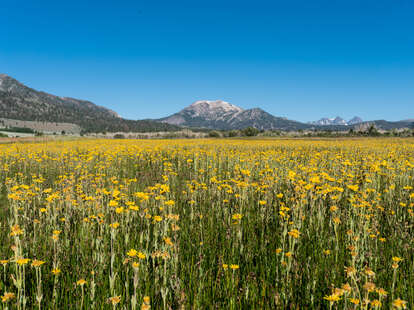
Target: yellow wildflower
(23, 261)
(332, 298)
(7, 296)
(114, 225)
(81, 282)
(294, 233)
(355, 301)
(37, 263)
(237, 216)
(132, 253)
(4, 261)
(376, 303)
(16, 230)
(114, 300)
(399, 304)
(141, 255)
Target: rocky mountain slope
(20, 102)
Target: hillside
(20, 102)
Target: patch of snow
(212, 110)
(216, 104)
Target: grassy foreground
(207, 224)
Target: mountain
(203, 113)
(329, 121)
(222, 115)
(323, 121)
(20, 102)
(225, 116)
(337, 121)
(355, 120)
(263, 120)
(386, 125)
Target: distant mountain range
(19, 102)
(223, 115)
(337, 121)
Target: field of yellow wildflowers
(207, 224)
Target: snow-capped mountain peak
(355, 120)
(223, 115)
(208, 108)
(337, 121)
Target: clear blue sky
(148, 59)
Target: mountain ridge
(21, 102)
(219, 114)
(326, 121)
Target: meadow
(207, 224)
